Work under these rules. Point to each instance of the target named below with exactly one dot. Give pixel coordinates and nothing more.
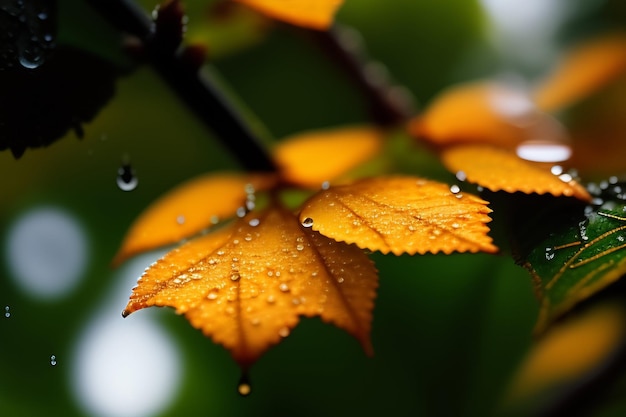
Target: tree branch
(192, 85)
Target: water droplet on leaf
(7, 312)
(308, 222)
(53, 360)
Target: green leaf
(577, 261)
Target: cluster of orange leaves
(254, 264)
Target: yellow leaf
(400, 215)
(569, 352)
(246, 285)
(188, 209)
(584, 70)
(311, 158)
(313, 14)
(498, 169)
(476, 112)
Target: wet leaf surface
(401, 215)
(39, 105)
(499, 169)
(578, 259)
(190, 208)
(247, 284)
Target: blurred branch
(388, 104)
(192, 85)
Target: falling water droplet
(53, 360)
(308, 222)
(243, 387)
(126, 178)
(7, 312)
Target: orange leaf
(400, 215)
(311, 158)
(246, 285)
(188, 209)
(583, 71)
(313, 14)
(498, 169)
(477, 112)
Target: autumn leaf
(312, 158)
(400, 214)
(188, 209)
(584, 70)
(476, 112)
(569, 353)
(578, 260)
(499, 169)
(247, 284)
(313, 14)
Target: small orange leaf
(246, 285)
(584, 70)
(476, 112)
(400, 215)
(313, 14)
(498, 169)
(188, 209)
(311, 158)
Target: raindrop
(241, 211)
(7, 312)
(244, 388)
(53, 360)
(538, 151)
(126, 178)
(212, 295)
(308, 222)
(254, 222)
(180, 219)
(549, 254)
(455, 189)
(235, 276)
(556, 170)
(300, 246)
(283, 287)
(461, 176)
(340, 280)
(325, 185)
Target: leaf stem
(192, 85)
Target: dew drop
(340, 280)
(271, 299)
(243, 387)
(300, 247)
(461, 175)
(126, 178)
(235, 276)
(7, 312)
(308, 222)
(556, 170)
(241, 211)
(549, 254)
(53, 360)
(212, 295)
(539, 151)
(455, 189)
(325, 185)
(283, 287)
(284, 331)
(254, 222)
(180, 219)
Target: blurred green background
(448, 331)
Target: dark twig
(192, 85)
(388, 104)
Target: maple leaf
(313, 14)
(401, 214)
(246, 285)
